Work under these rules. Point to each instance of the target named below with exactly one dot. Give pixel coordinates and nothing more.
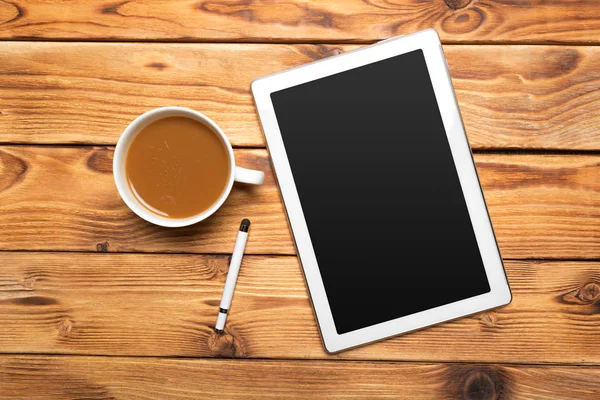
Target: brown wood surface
(166, 305)
(511, 97)
(97, 304)
(43, 377)
(64, 198)
(496, 21)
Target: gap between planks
(491, 151)
(556, 43)
(308, 360)
(226, 254)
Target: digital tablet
(381, 191)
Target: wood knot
(474, 382)
(29, 283)
(102, 247)
(34, 301)
(100, 160)
(113, 8)
(557, 62)
(225, 344)
(319, 52)
(479, 386)
(457, 4)
(465, 21)
(328, 51)
(12, 170)
(157, 65)
(589, 293)
(11, 12)
(489, 319)
(65, 326)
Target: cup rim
(120, 155)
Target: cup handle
(250, 176)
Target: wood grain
(78, 277)
(511, 97)
(54, 198)
(64, 198)
(543, 206)
(166, 305)
(47, 377)
(465, 21)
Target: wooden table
(97, 304)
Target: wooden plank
(64, 198)
(543, 206)
(166, 305)
(48, 377)
(511, 97)
(462, 21)
(82, 210)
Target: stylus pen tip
(245, 225)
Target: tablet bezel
(427, 41)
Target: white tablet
(381, 191)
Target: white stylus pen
(234, 269)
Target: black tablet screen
(380, 193)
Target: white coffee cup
(237, 174)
